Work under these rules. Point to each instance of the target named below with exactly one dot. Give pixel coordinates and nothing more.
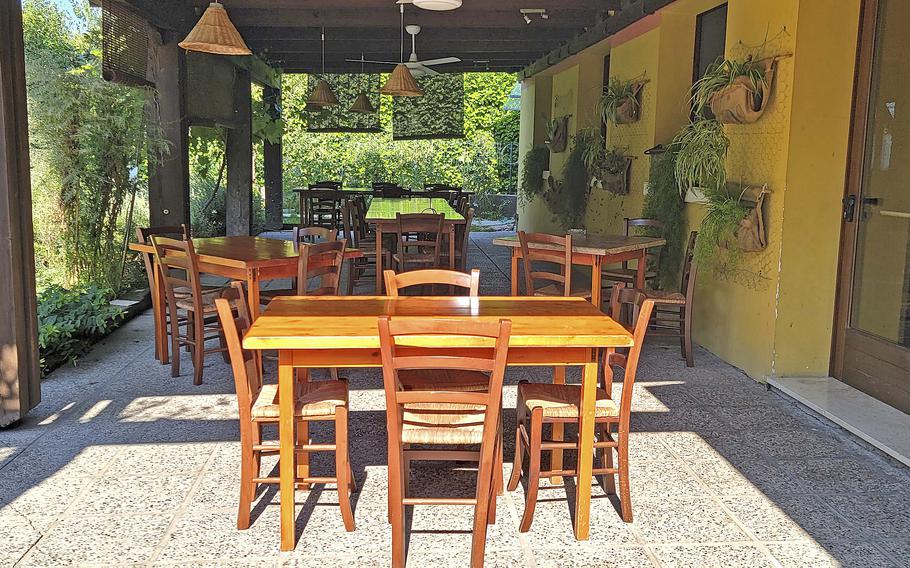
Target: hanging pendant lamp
(362, 104)
(214, 33)
(322, 96)
(401, 83)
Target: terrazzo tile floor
(123, 465)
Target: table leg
(559, 378)
(596, 292)
(286, 447)
(159, 310)
(514, 274)
(585, 451)
(351, 262)
(252, 291)
(379, 259)
(641, 269)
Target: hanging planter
(621, 101)
(608, 169)
(735, 92)
(616, 179)
(749, 235)
(558, 134)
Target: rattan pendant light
(362, 104)
(401, 83)
(322, 96)
(214, 33)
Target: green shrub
(70, 321)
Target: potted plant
(736, 92)
(621, 102)
(558, 134)
(607, 168)
(701, 153)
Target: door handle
(849, 208)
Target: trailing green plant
(701, 153)
(664, 203)
(536, 162)
(718, 228)
(567, 197)
(70, 321)
(618, 93)
(723, 73)
(599, 160)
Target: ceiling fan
(418, 68)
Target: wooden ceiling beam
(389, 48)
(505, 35)
(248, 17)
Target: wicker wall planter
(617, 183)
(750, 236)
(559, 137)
(630, 110)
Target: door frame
(860, 116)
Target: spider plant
(617, 93)
(599, 160)
(718, 228)
(723, 73)
(701, 152)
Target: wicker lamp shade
(362, 104)
(401, 83)
(322, 95)
(214, 33)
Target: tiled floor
(121, 464)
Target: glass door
(875, 352)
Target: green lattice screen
(339, 118)
(437, 114)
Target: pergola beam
(252, 17)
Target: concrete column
(239, 202)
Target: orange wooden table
(250, 259)
(342, 331)
(596, 252)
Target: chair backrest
(321, 205)
(244, 363)
(326, 184)
(395, 334)
(653, 253)
(179, 267)
(144, 234)
(558, 251)
(321, 263)
(690, 267)
(397, 282)
(314, 234)
(418, 233)
(629, 361)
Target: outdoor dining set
(442, 347)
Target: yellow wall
(773, 315)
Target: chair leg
(343, 467)
(247, 486)
(625, 492)
(533, 469)
(606, 462)
(175, 344)
(396, 506)
(687, 337)
(516, 463)
(198, 349)
(225, 356)
(485, 492)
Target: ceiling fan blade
(371, 61)
(405, 2)
(440, 61)
(425, 71)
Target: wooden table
(594, 251)
(342, 331)
(383, 213)
(251, 259)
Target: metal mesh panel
(124, 45)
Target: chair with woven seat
(395, 283)
(159, 304)
(318, 263)
(673, 310)
(462, 243)
(313, 235)
(355, 229)
(258, 406)
(540, 404)
(178, 267)
(419, 240)
(432, 418)
(554, 250)
(624, 273)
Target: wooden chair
(394, 283)
(442, 418)
(313, 235)
(628, 275)
(178, 266)
(355, 231)
(159, 304)
(551, 249)
(321, 207)
(462, 243)
(320, 263)
(258, 405)
(540, 404)
(419, 241)
(673, 310)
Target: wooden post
(169, 178)
(272, 165)
(239, 201)
(20, 378)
